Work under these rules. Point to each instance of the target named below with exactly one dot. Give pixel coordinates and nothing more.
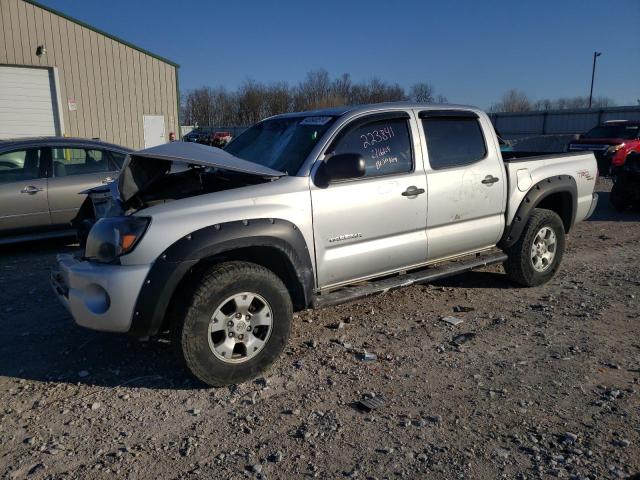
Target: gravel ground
(545, 383)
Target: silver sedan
(41, 180)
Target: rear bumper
(99, 297)
(594, 204)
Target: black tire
(191, 332)
(519, 265)
(617, 200)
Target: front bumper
(99, 297)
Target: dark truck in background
(611, 143)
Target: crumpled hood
(145, 166)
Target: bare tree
(277, 99)
(314, 91)
(197, 107)
(422, 92)
(565, 103)
(253, 100)
(512, 101)
(341, 88)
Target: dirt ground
(547, 384)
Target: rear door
(368, 226)
(76, 168)
(23, 190)
(466, 185)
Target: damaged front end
(167, 173)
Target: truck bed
(524, 172)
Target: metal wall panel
(559, 121)
(105, 85)
(577, 122)
(522, 123)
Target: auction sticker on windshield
(315, 121)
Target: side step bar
(425, 275)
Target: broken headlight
(112, 237)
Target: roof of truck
(339, 111)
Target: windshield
(628, 132)
(281, 143)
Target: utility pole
(593, 74)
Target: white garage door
(27, 102)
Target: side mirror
(344, 166)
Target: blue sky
(471, 51)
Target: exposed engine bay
(173, 182)
(168, 173)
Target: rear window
(453, 142)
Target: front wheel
(535, 258)
(236, 324)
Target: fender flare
(177, 260)
(535, 195)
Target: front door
(371, 225)
(75, 169)
(153, 130)
(23, 191)
(467, 189)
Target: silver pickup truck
(306, 210)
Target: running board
(425, 275)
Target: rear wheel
(236, 324)
(535, 257)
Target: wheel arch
(272, 243)
(558, 194)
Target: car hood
(146, 166)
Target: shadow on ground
(40, 341)
(477, 279)
(606, 213)
(72, 355)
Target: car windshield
(628, 132)
(280, 143)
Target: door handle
(490, 180)
(31, 190)
(412, 191)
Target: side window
(385, 146)
(118, 158)
(19, 165)
(453, 142)
(78, 161)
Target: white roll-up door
(27, 102)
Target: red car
(610, 142)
